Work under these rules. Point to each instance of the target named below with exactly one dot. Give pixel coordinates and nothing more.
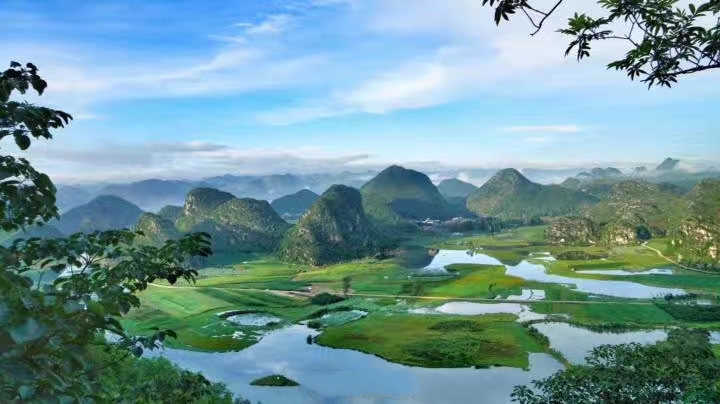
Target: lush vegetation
(509, 195)
(125, 379)
(274, 381)
(397, 193)
(681, 369)
(665, 41)
(335, 229)
(48, 331)
(156, 229)
(692, 312)
(437, 341)
(643, 209)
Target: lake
(341, 376)
(537, 272)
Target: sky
(189, 89)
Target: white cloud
(191, 160)
(88, 117)
(543, 128)
(274, 24)
(470, 57)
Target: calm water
(449, 257)
(537, 272)
(576, 343)
(474, 309)
(622, 272)
(340, 376)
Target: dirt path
(487, 300)
(670, 260)
(286, 293)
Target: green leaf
(30, 330)
(22, 141)
(96, 308)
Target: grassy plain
(247, 283)
(438, 341)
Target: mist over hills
(153, 194)
(598, 205)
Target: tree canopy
(682, 369)
(665, 41)
(48, 329)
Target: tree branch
(545, 15)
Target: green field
(438, 341)
(260, 284)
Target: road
(670, 260)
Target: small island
(275, 381)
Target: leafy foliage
(126, 379)
(323, 299)
(681, 369)
(665, 41)
(692, 312)
(46, 329)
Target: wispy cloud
(192, 160)
(274, 24)
(88, 117)
(543, 129)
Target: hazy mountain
(170, 212)
(509, 195)
(105, 212)
(397, 193)
(595, 187)
(334, 229)
(291, 207)
(599, 172)
(45, 231)
(667, 165)
(453, 188)
(70, 196)
(152, 194)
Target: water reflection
(575, 343)
(537, 272)
(339, 376)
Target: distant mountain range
(152, 194)
(509, 195)
(599, 205)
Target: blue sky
(195, 88)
